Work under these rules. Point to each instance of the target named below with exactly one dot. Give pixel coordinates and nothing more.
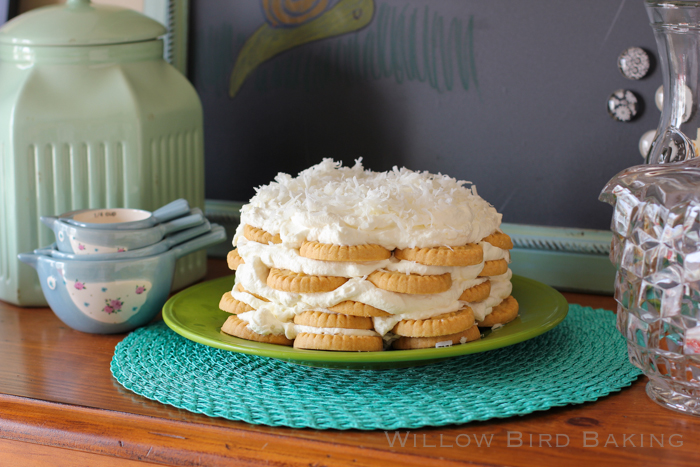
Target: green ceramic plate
(194, 313)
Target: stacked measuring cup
(110, 270)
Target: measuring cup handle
(48, 221)
(187, 234)
(217, 235)
(172, 210)
(183, 222)
(46, 251)
(29, 258)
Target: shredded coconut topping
(400, 208)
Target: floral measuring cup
(157, 248)
(126, 218)
(84, 241)
(107, 297)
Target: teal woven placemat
(582, 359)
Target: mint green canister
(91, 116)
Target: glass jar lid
(78, 22)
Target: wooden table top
(59, 405)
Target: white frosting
(352, 206)
(263, 321)
(388, 338)
(501, 287)
(457, 273)
(493, 252)
(285, 257)
(253, 275)
(284, 305)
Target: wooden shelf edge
(161, 441)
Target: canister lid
(78, 22)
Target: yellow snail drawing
(291, 23)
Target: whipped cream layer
(298, 329)
(283, 256)
(501, 287)
(253, 277)
(263, 321)
(339, 205)
(275, 316)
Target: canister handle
(77, 3)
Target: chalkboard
(507, 94)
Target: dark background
(521, 113)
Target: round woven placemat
(582, 359)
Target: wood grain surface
(57, 396)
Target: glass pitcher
(656, 224)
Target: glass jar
(676, 26)
(91, 116)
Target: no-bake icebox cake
(343, 258)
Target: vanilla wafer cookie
(503, 313)
(494, 268)
(499, 240)
(255, 234)
(231, 305)
(339, 342)
(234, 260)
(395, 281)
(319, 319)
(444, 324)
(465, 255)
(298, 282)
(236, 327)
(477, 293)
(353, 308)
(356, 253)
(239, 287)
(408, 343)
